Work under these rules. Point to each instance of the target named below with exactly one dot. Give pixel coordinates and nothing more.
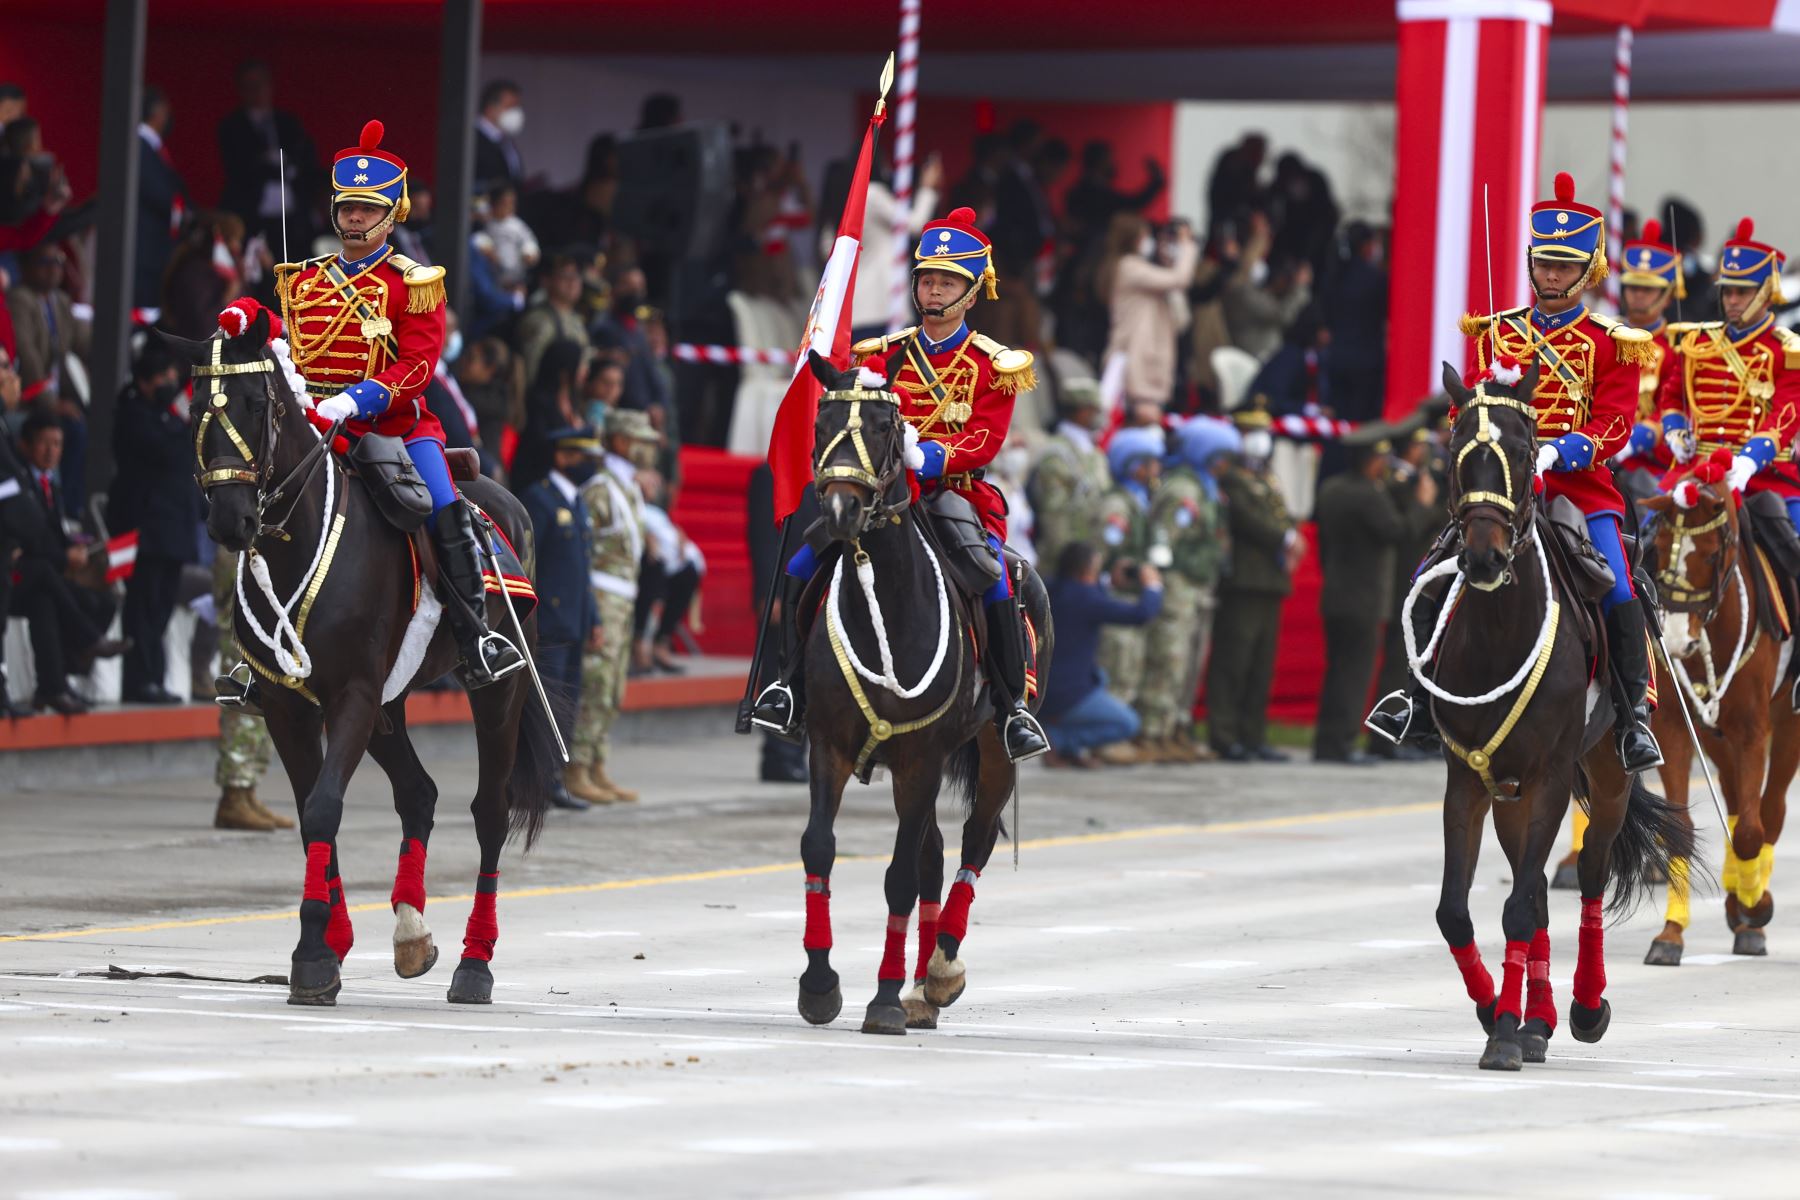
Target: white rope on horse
(865, 575)
(294, 662)
(1708, 710)
(1417, 660)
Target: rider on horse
(956, 388)
(1586, 403)
(365, 330)
(1651, 278)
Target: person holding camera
(1135, 456)
(1144, 280)
(1080, 714)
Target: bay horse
(890, 602)
(1524, 726)
(1729, 666)
(305, 528)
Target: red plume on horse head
(238, 316)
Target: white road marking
(1683, 1073)
(777, 914)
(1371, 1005)
(699, 972)
(98, 1193)
(1025, 987)
(749, 1145)
(602, 1101)
(593, 933)
(923, 1192)
(1659, 1196)
(447, 1172)
(1309, 1052)
(72, 1040)
(466, 1060)
(346, 1027)
(1021, 1125)
(1676, 1126)
(1440, 1149)
(1693, 1025)
(1098, 1064)
(176, 1075)
(1086, 929)
(1266, 1104)
(1715, 960)
(300, 1120)
(1393, 944)
(1488, 1085)
(25, 1145)
(1216, 964)
(1198, 1170)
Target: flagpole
(905, 158)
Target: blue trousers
(559, 665)
(1097, 719)
(1603, 531)
(1793, 507)
(805, 563)
(428, 457)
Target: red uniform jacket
(1732, 392)
(979, 379)
(375, 333)
(1586, 397)
(1653, 378)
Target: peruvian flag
(828, 332)
(121, 556)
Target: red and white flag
(828, 332)
(121, 556)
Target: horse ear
(1453, 384)
(185, 349)
(1659, 503)
(259, 328)
(833, 379)
(1528, 385)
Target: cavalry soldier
(1651, 278)
(1587, 402)
(1072, 475)
(615, 510)
(1134, 457)
(365, 328)
(956, 388)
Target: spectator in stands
(492, 309)
(1258, 313)
(257, 143)
(506, 240)
(1307, 215)
(1144, 281)
(12, 104)
(1232, 189)
(33, 189)
(45, 327)
(1296, 380)
(501, 119)
(660, 110)
(484, 373)
(1356, 316)
(978, 188)
(620, 328)
(153, 493)
(668, 584)
(1079, 714)
(557, 318)
(1092, 201)
(444, 397)
(604, 391)
(553, 403)
(206, 274)
(413, 238)
(68, 622)
(15, 516)
(162, 202)
(875, 264)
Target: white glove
(1547, 457)
(340, 407)
(912, 456)
(1742, 468)
(1681, 444)
(1625, 453)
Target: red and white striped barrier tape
(1324, 429)
(731, 356)
(1615, 199)
(143, 318)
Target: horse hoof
(821, 1008)
(1502, 1054)
(1753, 942)
(885, 1018)
(1589, 1024)
(1534, 1039)
(473, 983)
(920, 1012)
(1763, 913)
(945, 979)
(1663, 954)
(1485, 1014)
(315, 982)
(412, 959)
(1566, 878)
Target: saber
(519, 628)
(1687, 719)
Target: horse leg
(920, 1012)
(1526, 831)
(820, 997)
(1565, 877)
(1747, 744)
(415, 799)
(1678, 764)
(1540, 1000)
(1609, 792)
(296, 737)
(314, 977)
(915, 803)
(946, 977)
(1784, 758)
(498, 712)
(1465, 809)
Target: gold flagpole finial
(887, 81)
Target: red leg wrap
(954, 919)
(1512, 979)
(338, 933)
(483, 929)
(1590, 960)
(1539, 1002)
(818, 913)
(409, 876)
(928, 927)
(1475, 975)
(893, 955)
(318, 862)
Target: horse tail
(963, 771)
(1652, 834)
(536, 766)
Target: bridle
(863, 473)
(1678, 593)
(1490, 505)
(269, 410)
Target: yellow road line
(614, 885)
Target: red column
(1469, 101)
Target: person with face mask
(153, 493)
(500, 121)
(1071, 475)
(569, 623)
(1135, 458)
(1265, 548)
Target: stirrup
(492, 645)
(1405, 711)
(1029, 719)
(232, 689)
(776, 693)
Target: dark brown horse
(892, 678)
(348, 586)
(1524, 727)
(1730, 676)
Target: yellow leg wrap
(1752, 879)
(1728, 878)
(1578, 823)
(1678, 892)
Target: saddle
(394, 483)
(1774, 558)
(1579, 574)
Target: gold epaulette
(1633, 345)
(1790, 346)
(1476, 324)
(284, 276)
(1679, 331)
(424, 285)
(1011, 367)
(881, 345)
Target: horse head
(860, 446)
(1696, 539)
(1492, 450)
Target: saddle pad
(518, 582)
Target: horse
(304, 528)
(1524, 726)
(858, 716)
(1728, 670)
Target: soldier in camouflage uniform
(1072, 476)
(1135, 457)
(244, 746)
(615, 511)
(1186, 518)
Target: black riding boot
(487, 657)
(1629, 648)
(1020, 732)
(1403, 716)
(781, 706)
